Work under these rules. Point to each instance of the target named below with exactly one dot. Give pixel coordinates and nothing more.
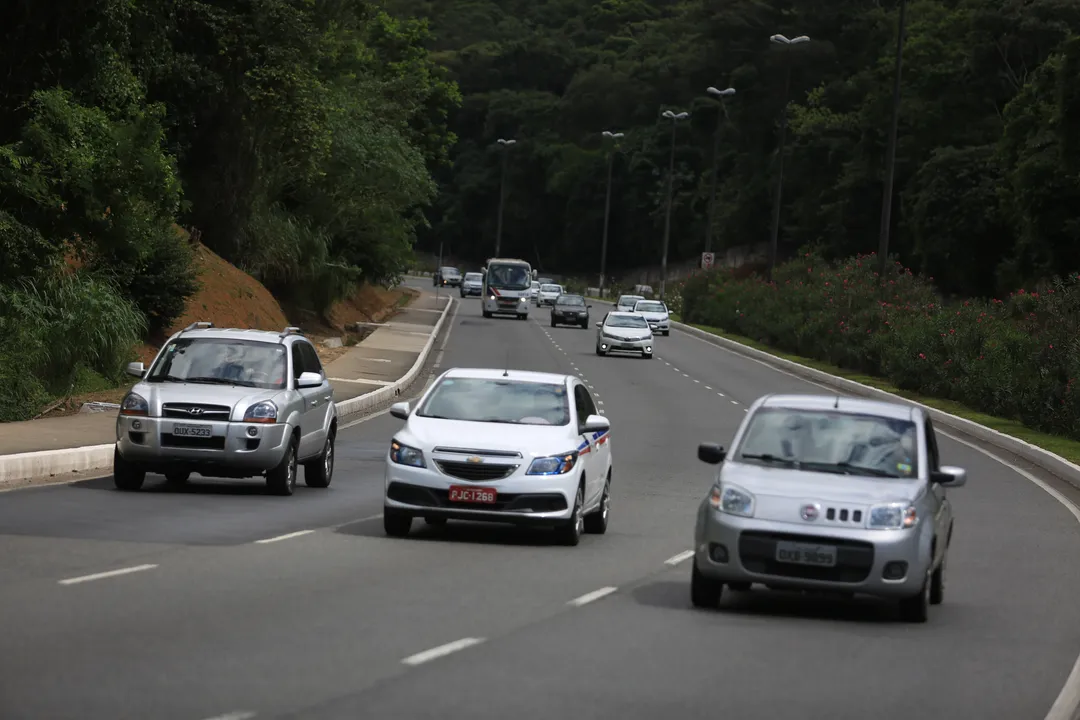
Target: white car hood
(654, 316)
(623, 332)
(785, 482)
(529, 440)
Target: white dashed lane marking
(592, 596)
(441, 651)
(676, 559)
(104, 575)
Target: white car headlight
(553, 465)
(406, 455)
(892, 516)
(732, 500)
(261, 412)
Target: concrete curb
(50, 463)
(1056, 465)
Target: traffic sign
(707, 259)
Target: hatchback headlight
(553, 465)
(261, 412)
(134, 404)
(892, 516)
(732, 500)
(406, 455)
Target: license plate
(806, 554)
(192, 430)
(472, 494)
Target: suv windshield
(627, 321)
(650, 307)
(449, 271)
(570, 300)
(509, 277)
(499, 400)
(222, 361)
(826, 441)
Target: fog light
(136, 425)
(718, 553)
(648, 348)
(895, 570)
(252, 432)
(603, 346)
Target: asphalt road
(334, 620)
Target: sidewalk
(380, 360)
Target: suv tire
(281, 480)
(319, 472)
(126, 476)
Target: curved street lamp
(614, 136)
(720, 117)
(674, 118)
(506, 145)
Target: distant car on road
(624, 332)
(447, 277)
(548, 293)
(828, 493)
(502, 446)
(534, 291)
(228, 403)
(570, 310)
(472, 284)
(656, 313)
(626, 303)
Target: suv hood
(233, 396)
(529, 440)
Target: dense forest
(987, 184)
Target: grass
(1062, 446)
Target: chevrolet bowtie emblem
(475, 459)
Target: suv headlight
(732, 500)
(134, 404)
(261, 412)
(892, 516)
(406, 455)
(554, 465)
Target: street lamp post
(607, 205)
(720, 117)
(775, 237)
(506, 145)
(674, 118)
(890, 153)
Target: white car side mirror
(599, 324)
(400, 410)
(596, 423)
(309, 380)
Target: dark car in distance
(570, 310)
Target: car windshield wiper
(770, 458)
(848, 469)
(217, 381)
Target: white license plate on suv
(806, 554)
(193, 430)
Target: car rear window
(497, 400)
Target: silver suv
(228, 403)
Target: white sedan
(656, 312)
(505, 446)
(547, 294)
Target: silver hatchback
(828, 493)
(228, 403)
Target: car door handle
(327, 398)
(314, 403)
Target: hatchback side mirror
(711, 453)
(949, 476)
(400, 410)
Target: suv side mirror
(949, 476)
(711, 453)
(136, 368)
(400, 410)
(309, 380)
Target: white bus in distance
(507, 283)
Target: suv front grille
(475, 472)
(196, 411)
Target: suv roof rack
(198, 326)
(290, 331)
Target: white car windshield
(630, 300)
(650, 307)
(831, 442)
(498, 400)
(509, 277)
(450, 271)
(550, 289)
(474, 276)
(626, 321)
(220, 361)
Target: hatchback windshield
(627, 321)
(499, 400)
(831, 442)
(550, 288)
(474, 277)
(650, 307)
(219, 361)
(571, 300)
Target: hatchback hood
(239, 399)
(529, 440)
(790, 483)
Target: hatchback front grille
(196, 411)
(843, 515)
(476, 472)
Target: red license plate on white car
(460, 493)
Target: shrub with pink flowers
(1016, 358)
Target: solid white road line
(592, 597)
(109, 574)
(287, 536)
(442, 651)
(236, 715)
(676, 559)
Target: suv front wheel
(126, 476)
(319, 472)
(281, 480)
